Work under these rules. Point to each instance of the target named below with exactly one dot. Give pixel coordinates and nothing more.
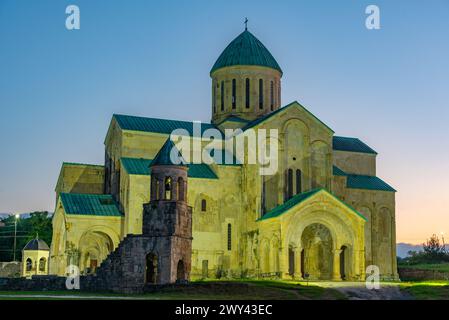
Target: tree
(433, 248)
(38, 223)
(433, 252)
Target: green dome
(246, 49)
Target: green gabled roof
(269, 115)
(164, 126)
(357, 181)
(279, 210)
(90, 204)
(351, 144)
(164, 155)
(233, 119)
(246, 50)
(337, 171)
(368, 183)
(139, 166)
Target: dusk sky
(388, 87)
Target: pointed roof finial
(37, 235)
(246, 24)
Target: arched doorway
(317, 255)
(180, 271)
(94, 247)
(151, 268)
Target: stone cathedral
(324, 214)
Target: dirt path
(358, 291)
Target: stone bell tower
(167, 219)
(162, 253)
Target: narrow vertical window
(229, 236)
(290, 184)
(271, 95)
(203, 205)
(260, 94)
(214, 96)
(279, 93)
(234, 88)
(222, 95)
(298, 181)
(247, 93)
(168, 189)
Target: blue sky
(389, 87)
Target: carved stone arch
(295, 120)
(264, 254)
(59, 224)
(384, 223)
(340, 228)
(275, 246)
(295, 155)
(211, 204)
(108, 231)
(320, 163)
(367, 212)
(94, 245)
(271, 191)
(384, 247)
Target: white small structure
(35, 258)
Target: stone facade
(353, 225)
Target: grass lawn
(215, 290)
(427, 290)
(442, 267)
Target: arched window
(289, 183)
(222, 96)
(42, 263)
(203, 205)
(181, 190)
(298, 181)
(229, 236)
(272, 95)
(234, 89)
(260, 94)
(180, 272)
(158, 187)
(247, 92)
(151, 268)
(168, 188)
(29, 264)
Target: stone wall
(10, 269)
(36, 283)
(420, 274)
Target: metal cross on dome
(246, 23)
